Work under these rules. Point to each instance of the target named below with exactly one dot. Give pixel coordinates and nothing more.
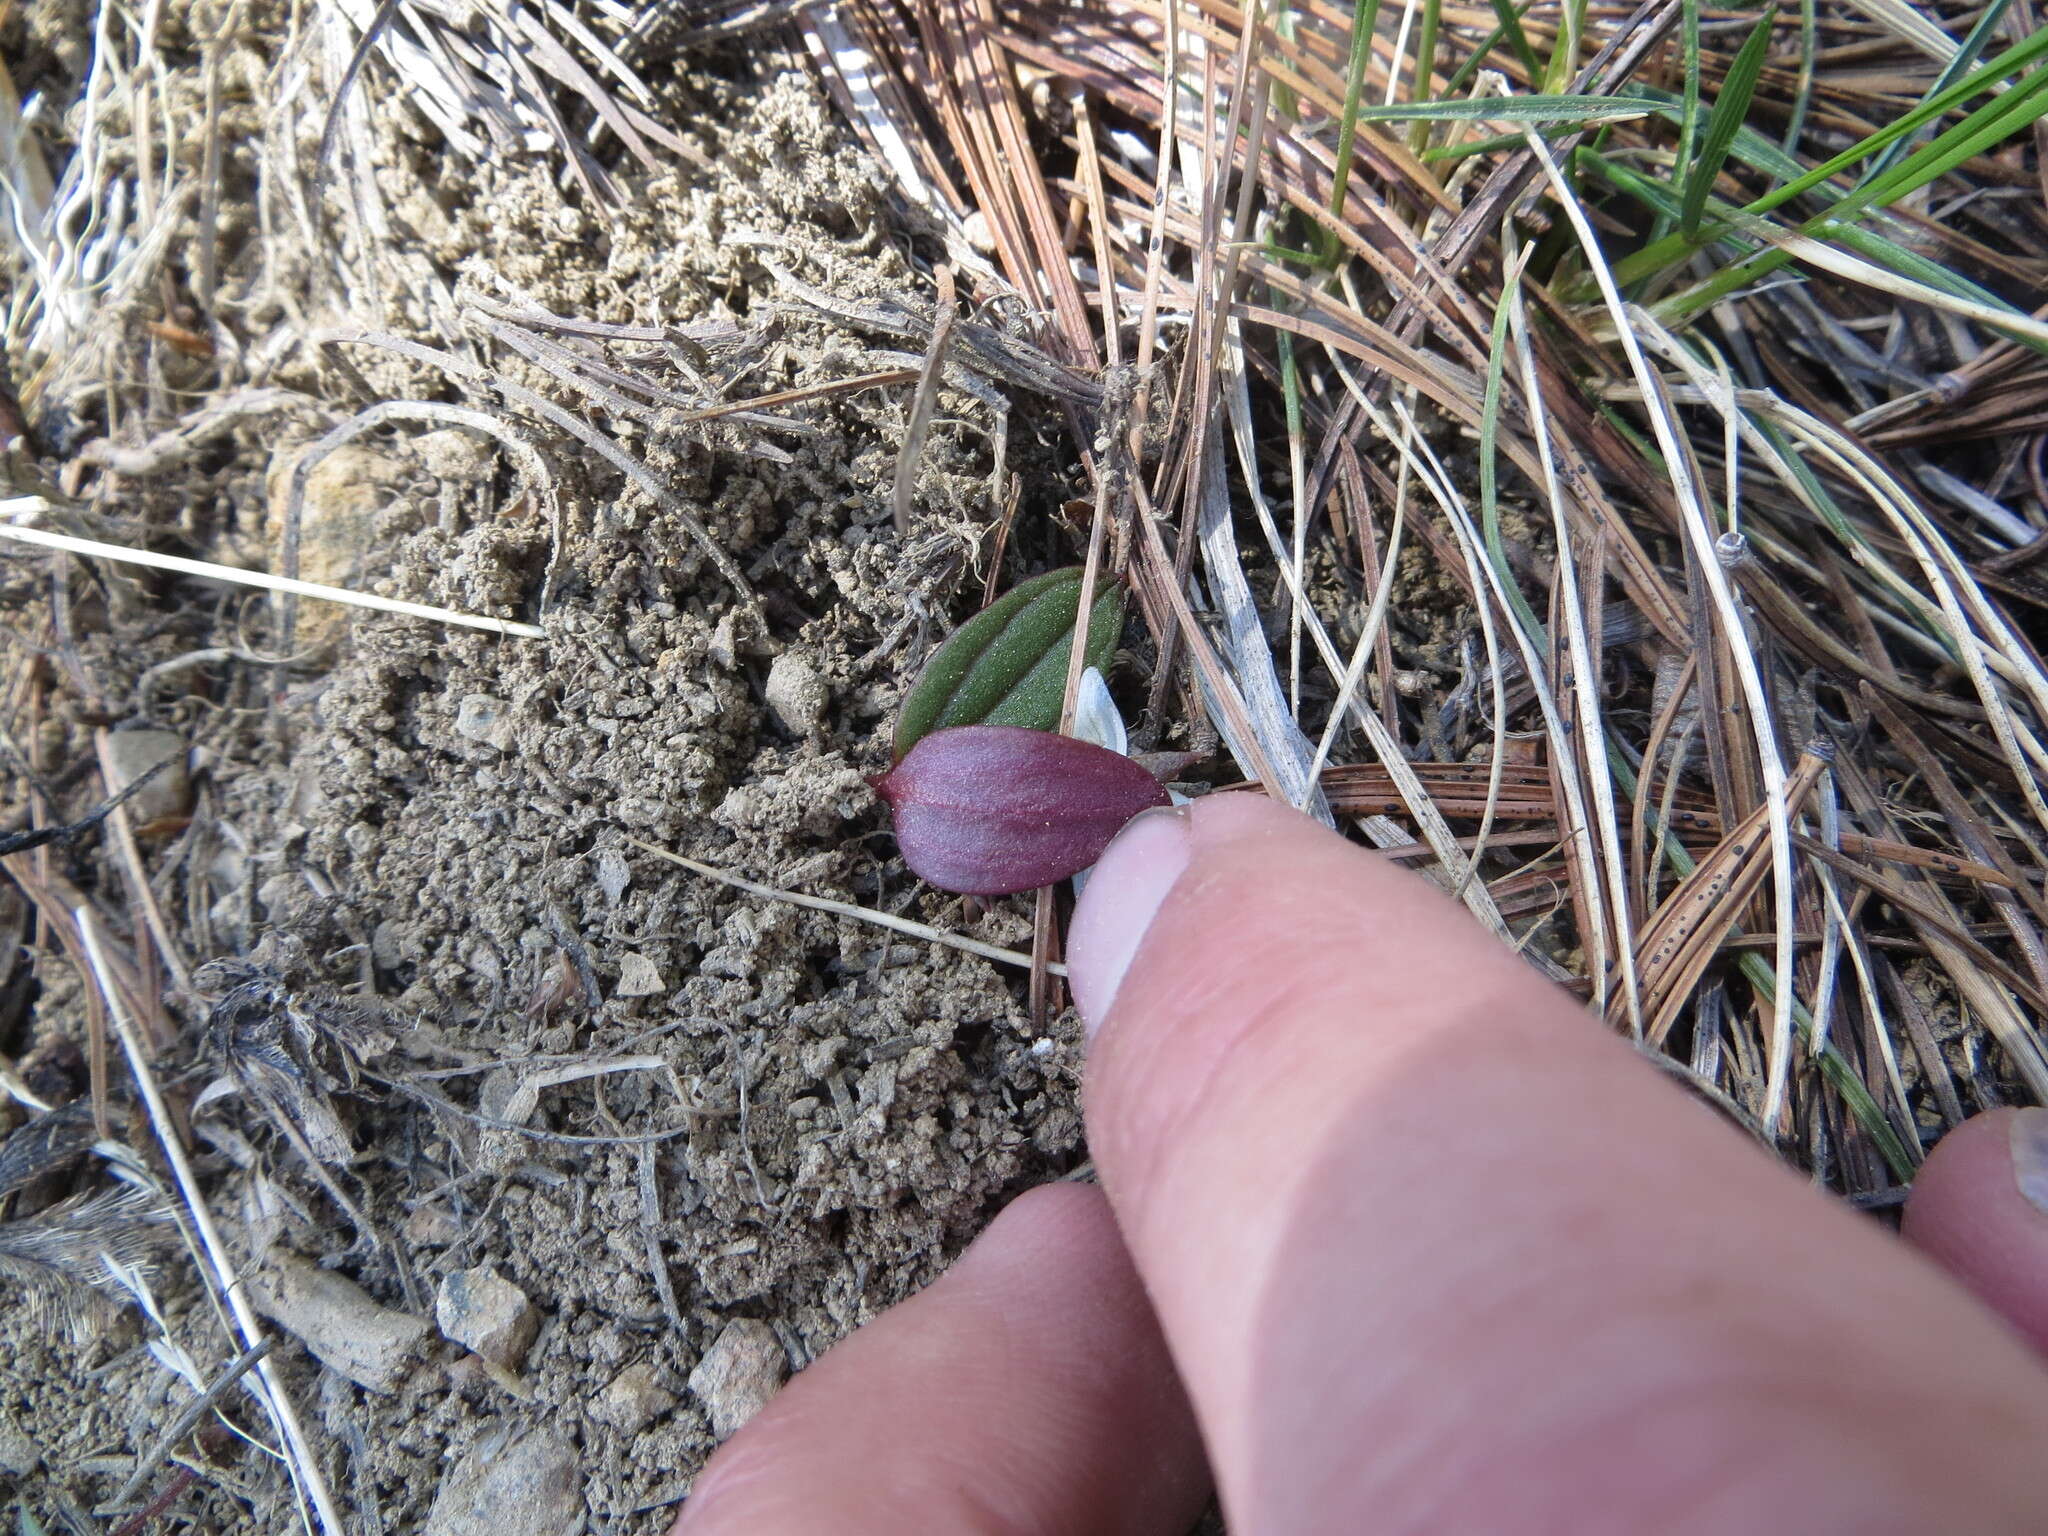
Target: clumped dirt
(653, 1104)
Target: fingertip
(1979, 1208)
(1124, 892)
(1340, 1123)
(1025, 1391)
(1276, 943)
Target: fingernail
(1124, 892)
(2029, 1142)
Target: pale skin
(1394, 1237)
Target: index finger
(1428, 1243)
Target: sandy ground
(490, 1071)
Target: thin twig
(903, 497)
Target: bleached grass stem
(1585, 676)
(210, 572)
(1700, 532)
(901, 925)
(225, 1278)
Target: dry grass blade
(486, 75)
(210, 572)
(846, 909)
(1307, 295)
(575, 426)
(902, 498)
(1683, 936)
(218, 1269)
(46, 1144)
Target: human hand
(1419, 1246)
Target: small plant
(992, 809)
(1008, 664)
(987, 798)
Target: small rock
(512, 1484)
(614, 874)
(738, 1374)
(168, 796)
(483, 1311)
(19, 1456)
(432, 1226)
(275, 894)
(637, 977)
(339, 542)
(635, 1399)
(724, 647)
(335, 1318)
(389, 942)
(795, 693)
(484, 719)
(453, 454)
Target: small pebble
(637, 977)
(634, 1399)
(512, 1484)
(738, 1374)
(432, 1226)
(795, 694)
(483, 1311)
(18, 1454)
(168, 796)
(613, 874)
(484, 719)
(453, 454)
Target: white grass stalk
(299, 1458)
(1585, 681)
(869, 915)
(1436, 832)
(1700, 532)
(210, 572)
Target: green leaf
(1008, 664)
(2008, 65)
(1730, 108)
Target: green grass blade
(1987, 127)
(1465, 71)
(1364, 18)
(1489, 477)
(1662, 253)
(2004, 67)
(1731, 107)
(1972, 47)
(1286, 104)
(1511, 29)
(1516, 109)
(1564, 55)
(1488, 146)
(1689, 109)
(1802, 98)
(1425, 67)
(1990, 125)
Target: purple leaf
(991, 809)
